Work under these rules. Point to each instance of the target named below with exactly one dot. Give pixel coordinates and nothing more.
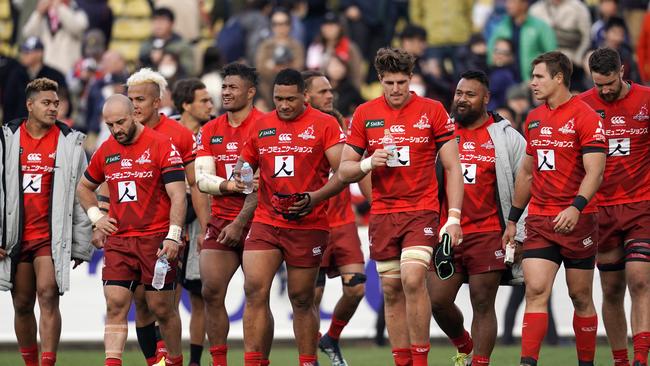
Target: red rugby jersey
(291, 159)
(418, 128)
(477, 162)
(136, 175)
(627, 172)
(557, 139)
(37, 157)
(224, 143)
(339, 209)
(182, 138)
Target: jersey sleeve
(95, 170)
(171, 163)
(202, 141)
(357, 133)
(332, 134)
(187, 147)
(591, 135)
(443, 126)
(249, 152)
(526, 128)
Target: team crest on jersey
(32, 183)
(569, 127)
(533, 124)
(545, 160)
(401, 158)
(127, 191)
(52, 155)
(601, 113)
(469, 173)
(283, 167)
(642, 115)
(488, 145)
(619, 147)
(145, 158)
(266, 133)
(374, 123)
(422, 123)
(216, 140)
(112, 159)
(308, 134)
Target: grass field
(358, 355)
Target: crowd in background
(90, 46)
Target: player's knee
(24, 305)
(163, 311)
(581, 298)
(614, 291)
(482, 303)
(537, 294)
(48, 296)
(301, 300)
(354, 293)
(639, 286)
(214, 295)
(392, 292)
(256, 293)
(354, 285)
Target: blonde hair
(146, 75)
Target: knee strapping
(115, 339)
(355, 279)
(637, 250)
(389, 268)
(419, 254)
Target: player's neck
(558, 98)
(479, 121)
(625, 89)
(154, 120)
(236, 118)
(190, 123)
(36, 129)
(138, 131)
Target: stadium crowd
(471, 127)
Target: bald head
(118, 103)
(118, 116)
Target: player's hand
(231, 234)
(456, 234)
(379, 158)
(106, 225)
(77, 262)
(509, 234)
(170, 248)
(98, 239)
(305, 205)
(256, 181)
(566, 220)
(234, 185)
(3, 254)
(519, 252)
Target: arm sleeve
(249, 152)
(171, 164)
(187, 147)
(332, 134)
(443, 127)
(202, 142)
(95, 170)
(529, 149)
(591, 135)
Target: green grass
(358, 355)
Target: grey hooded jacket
(70, 227)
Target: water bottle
(160, 272)
(247, 178)
(389, 145)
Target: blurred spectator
(86, 68)
(31, 67)
(606, 10)
(278, 52)
(346, 96)
(633, 13)
(333, 41)
(518, 100)
(448, 25)
(643, 49)
(60, 25)
(64, 112)
(170, 68)
(529, 35)
(7, 67)
(114, 73)
(615, 35)
(413, 40)
(298, 10)
(100, 15)
(473, 56)
(211, 76)
(187, 17)
(503, 74)
(314, 15)
(164, 38)
(571, 21)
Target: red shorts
(344, 247)
(300, 248)
(30, 249)
(133, 258)
(620, 223)
(479, 253)
(390, 233)
(580, 244)
(215, 226)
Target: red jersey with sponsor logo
(291, 159)
(182, 138)
(477, 162)
(339, 209)
(37, 157)
(557, 139)
(224, 143)
(626, 122)
(136, 175)
(409, 182)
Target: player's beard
(468, 117)
(610, 97)
(128, 136)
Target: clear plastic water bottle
(389, 145)
(247, 178)
(160, 272)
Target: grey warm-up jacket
(70, 227)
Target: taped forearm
(206, 178)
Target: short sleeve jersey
(557, 140)
(339, 209)
(37, 157)
(626, 122)
(219, 140)
(478, 167)
(136, 175)
(182, 138)
(290, 156)
(418, 129)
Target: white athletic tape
(175, 233)
(450, 221)
(366, 165)
(389, 268)
(419, 254)
(206, 178)
(94, 214)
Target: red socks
(336, 327)
(402, 357)
(252, 358)
(30, 355)
(641, 342)
(161, 350)
(585, 330)
(480, 360)
(464, 343)
(48, 358)
(419, 354)
(173, 361)
(307, 360)
(219, 355)
(152, 360)
(620, 357)
(265, 363)
(532, 334)
(113, 362)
